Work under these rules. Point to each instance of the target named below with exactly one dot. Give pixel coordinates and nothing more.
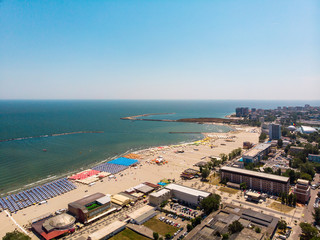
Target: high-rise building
(274, 131)
(302, 190)
(242, 112)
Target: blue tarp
(124, 161)
(162, 183)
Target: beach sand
(145, 172)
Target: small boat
(44, 150)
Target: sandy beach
(177, 162)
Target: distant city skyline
(160, 50)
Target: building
(185, 195)
(295, 150)
(120, 200)
(256, 180)
(314, 158)
(257, 153)
(108, 231)
(190, 173)
(157, 198)
(142, 215)
(91, 207)
(302, 191)
(308, 130)
(220, 220)
(52, 227)
(274, 131)
(242, 112)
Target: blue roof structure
(124, 161)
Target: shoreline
(50, 178)
(211, 144)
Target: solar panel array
(15, 202)
(110, 168)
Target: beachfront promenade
(144, 172)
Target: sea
(31, 160)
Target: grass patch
(280, 207)
(228, 190)
(128, 234)
(160, 227)
(214, 180)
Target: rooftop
(86, 200)
(160, 193)
(187, 190)
(256, 174)
(107, 230)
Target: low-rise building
(219, 221)
(142, 215)
(295, 150)
(302, 191)
(91, 207)
(157, 198)
(54, 226)
(314, 158)
(108, 231)
(257, 153)
(187, 195)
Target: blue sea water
(23, 162)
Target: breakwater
(49, 135)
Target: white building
(157, 198)
(186, 194)
(308, 130)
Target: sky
(166, 49)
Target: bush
(225, 236)
(155, 235)
(235, 227)
(258, 230)
(16, 235)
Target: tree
(308, 231)
(243, 185)
(210, 203)
(278, 172)
(189, 227)
(168, 236)
(280, 143)
(282, 225)
(262, 137)
(225, 236)
(205, 173)
(316, 215)
(235, 227)
(294, 200)
(223, 157)
(258, 230)
(290, 198)
(268, 170)
(155, 235)
(16, 235)
(306, 176)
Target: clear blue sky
(162, 49)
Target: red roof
(53, 234)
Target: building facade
(90, 207)
(263, 182)
(314, 158)
(274, 131)
(257, 153)
(302, 191)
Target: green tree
(155, 235)
(205, 173)
(225, 236)
(243, 185)
(280, 143)
(189, 227)
(16, 235)
(290, 198)
(282, 225)
(258, 230)
(308, 231)
(210, 203)
(316, 215)
(235, 227)
(262, 137)
(168, 236)
(268, 170)
(306, 176)
(278, 172)
(223, 157)
(294, 200)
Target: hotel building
(257, 180)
